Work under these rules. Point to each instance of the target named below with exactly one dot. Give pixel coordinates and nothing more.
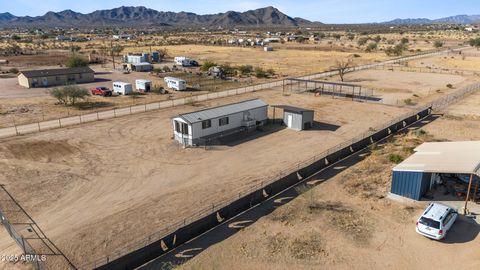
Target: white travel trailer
(122, 88)
(184, 61)
(201, 127)
(176, 83)
(143, 86)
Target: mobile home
(185, 62)
(143, 85)
(122, 88)
(200, 127)
(176, 83)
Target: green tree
(404, 41)
(475, 42)
(69, 95)
(76, 61)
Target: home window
(181, 128)
(206, 124)
(223, 121)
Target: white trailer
(176, 83)
(122, 88)
(143, 86)
(185, 62)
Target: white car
(436, 221)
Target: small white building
(176, 83)
(201, 127)
(122, 88)
(268, 49)
(143, 86)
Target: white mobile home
(122, 88)
(198, 128)
(143, 85)
(176, 83)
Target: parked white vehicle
(436, 221)
(122, 88)
(176, 83)
(185, 62)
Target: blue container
(412, 185)
(155, 57)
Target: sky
(327, 11)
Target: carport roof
(444, 157)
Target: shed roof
(292, 108)
(55, 72)
(444, 157)
(224, 110)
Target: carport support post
(468, 194)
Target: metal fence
(428, 70)
(267, 180)
(42, 253)
(17, 130)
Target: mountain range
(459, 19)
(142, 16)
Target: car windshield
(430, 222)
(103, 88)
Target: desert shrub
(395, 158)
(245, 70)
(260, 73)
(159, 90)
(438, 44)
(409, 102)
(68, 95)
(372, 46)
(449, 86)
(13, 71)
(404, 40)
(76, 61)
(207, 65)
(356, 55)
(166, 69)
(362, 41)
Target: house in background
(55, 77)
(200, 127)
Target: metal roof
(221, 111)
(444, 157)
(55, 72)
(292, 108)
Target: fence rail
(17, 130)
(268, 180)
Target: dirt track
(95, 188)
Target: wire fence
(428, 70)
(39, 126)
(263, 182)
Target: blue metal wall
(412, 185)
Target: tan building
(55, 77)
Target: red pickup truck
(101, 91)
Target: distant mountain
(142, 16)
(459, 19)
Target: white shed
(201, 127)
(176, 83)
(122, 88)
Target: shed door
(289, 120)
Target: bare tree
(343, 66)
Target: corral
(123, 184)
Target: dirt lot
(394, 87)
(286, 62)
(347, 223)
(94, 188)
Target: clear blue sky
(328, 11)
